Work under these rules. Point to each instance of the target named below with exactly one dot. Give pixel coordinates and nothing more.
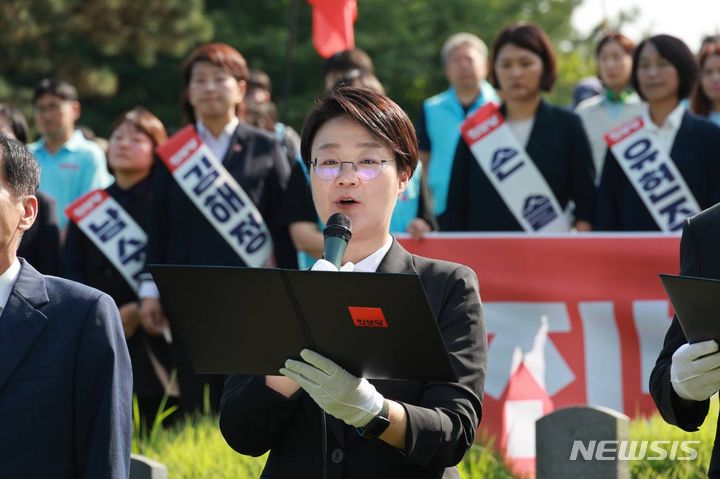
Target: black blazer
(559, 148)
(40, 245)
(695, 152)
(699, 256)
(65, 382)
(180, 234)
(442, 417)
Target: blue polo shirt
(76, 168)
(439, 132)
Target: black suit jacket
(40, 245)
(442, 417)
(559, 148)
(695, 152)
(180, 234)
(699, 256)
(65, 382)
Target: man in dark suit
(687, 375)
(215, 77)
(65, 376)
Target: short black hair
(530, 37)
(19, 167)
(676, 52)
(347, 60)
(17, 122)
(377, 113)
(55, 87)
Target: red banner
(576, 319)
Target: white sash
(113, 231)
(653, 175)
(218, 196)
(511, 171)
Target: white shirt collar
(371, 263)
(218, 145)
(665, 134)
(228, 130)
(7, 281)
(672, 122)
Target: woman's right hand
(152, 317)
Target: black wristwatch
(378, 424)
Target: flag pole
(290, 57)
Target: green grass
(195, 449)
(655, 428)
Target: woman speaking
(361, 150)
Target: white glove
(352, 400)
(325, 265)
(695, 370)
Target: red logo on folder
(367, 317)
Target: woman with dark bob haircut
(664, 74)
(361, 150)
(523, 66)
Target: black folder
(697, 305)
(250, 320)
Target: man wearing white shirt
(65, 375)
(215, 77)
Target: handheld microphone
(337, 233)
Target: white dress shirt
(522, 129)
(665, 133)
(7, 281)
(371, 263)
(218, 145)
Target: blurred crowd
(674, 91)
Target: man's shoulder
(589, 105)
(37, 147)
(83, 149)
(65, 291)
(440, 98)
(440, 268)
(707, 221)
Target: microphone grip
(334, 250)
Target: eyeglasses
(366, 169)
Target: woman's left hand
(342, 395)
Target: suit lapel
(397, 260)
(21, 322)
(236, 149)
(679, 146)
(541, 131)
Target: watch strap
(378, 424)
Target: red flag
(333, 25)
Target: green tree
(126, 52)
(102, 46)
(404, 38)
